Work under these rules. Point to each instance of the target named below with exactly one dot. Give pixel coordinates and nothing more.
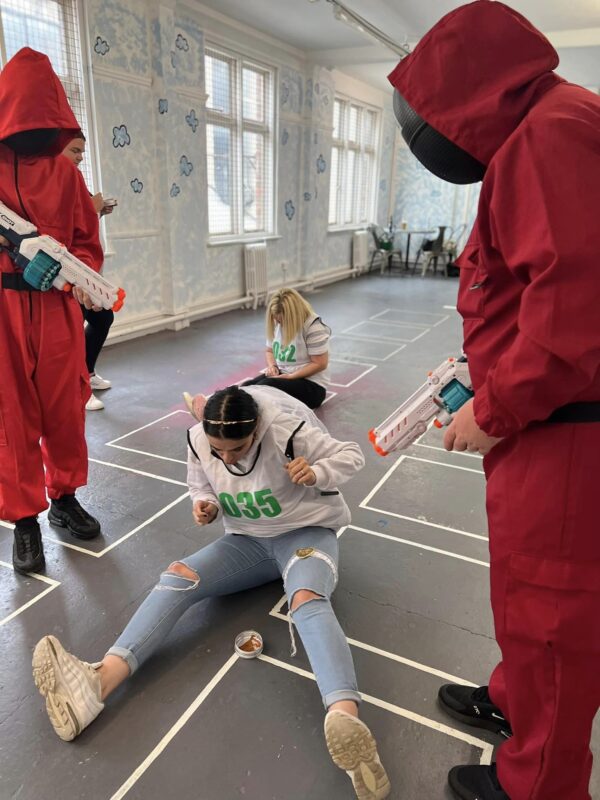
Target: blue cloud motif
(326, 100)
(185, 166)
(307, 196)
(181, 43)
(136, 185)
(163, 105)
(121, 137)
(175, 190)
(101, 46)
(173, 59)
(192, 120)
(285, 93)
(321, 164)
(289, 210)
(285, 135)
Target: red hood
(475, 75)
(32, 96)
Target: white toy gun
(46, 263)
(447, 389)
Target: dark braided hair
(230, 413)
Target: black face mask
(437, 153)
(32, 143)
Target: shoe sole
(475, 722)
(60, 523)
(45, 664)
(353, 748)
(37, 567)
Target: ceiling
(572, 25)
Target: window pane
(338, 119)
(220, 179)
(218, 83)
(370, 129)
(366, 187)
(353, 123)
(334, 186)
(255, 181)
(253, 94)
(349, 184)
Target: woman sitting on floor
(297, 349)
(275, 483)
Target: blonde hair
(293, 309)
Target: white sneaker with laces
(71, 687)
(98, 383)
(353, 748)
(94, 404)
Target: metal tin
(243, 638)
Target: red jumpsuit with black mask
(43, 378)
(530, 299)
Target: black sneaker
(476, 783)
(28, 551)
(67, 512)
(473, 707)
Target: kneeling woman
(275, 481)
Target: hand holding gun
(447, 389)
(46, 263)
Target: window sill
(242, 240)
(346, 228)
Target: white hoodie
(265, 502)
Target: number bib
(250, 504)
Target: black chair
(384, 249)
(432, 250)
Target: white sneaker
(98, 383)
(71, 687)
(94, 404)
(353, 748)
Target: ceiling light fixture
(344, 14)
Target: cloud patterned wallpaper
(148, 69)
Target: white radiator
(255, 265)
(360, 251)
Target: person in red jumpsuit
(478, 99)
(44, 383)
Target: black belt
(576, 412)
(16, 281)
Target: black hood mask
(437, 153)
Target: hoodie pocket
(473, 280)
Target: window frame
(235, 122)
(361, 151)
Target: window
(50, 26)
(239, 133)
(353, 163)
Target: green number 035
(250, 504)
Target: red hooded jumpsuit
(43, 379)
(530, 298)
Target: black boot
(476, 783)
(66, 512)
(28, 551)
(473, 707)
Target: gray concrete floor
(413, 593)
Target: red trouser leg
(22, 492)
(63, 386)
(42, 392)
(545, 575)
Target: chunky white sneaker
(94, 404)
(353, 748)
(71, 688)
(98, 383)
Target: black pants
(302, 389)
(96, 331)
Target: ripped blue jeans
(305, 558)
